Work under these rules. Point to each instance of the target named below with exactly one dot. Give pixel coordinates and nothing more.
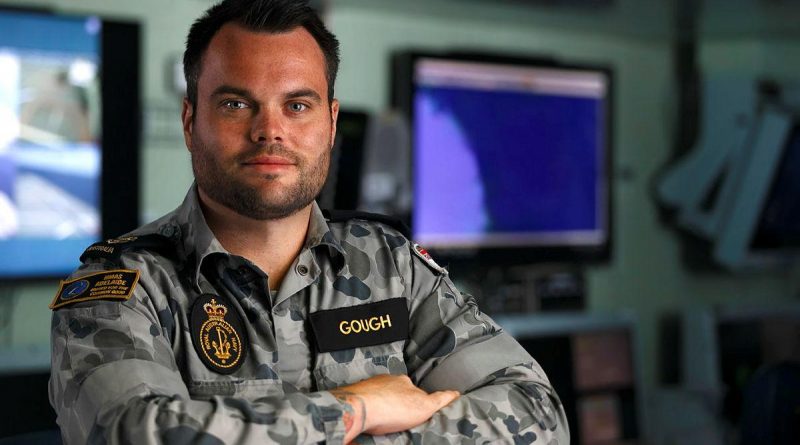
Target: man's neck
(272, 245)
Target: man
(245, 317)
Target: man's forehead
(236, 51)
(263, 61)
(235, 37)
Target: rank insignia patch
(112, 249)
(425, 256)
(218, 334)
(122, 240)
(363, 325)
(107, 285)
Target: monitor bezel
(401, 98)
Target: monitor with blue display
(778, 227)
(508, 154)
(64, 139)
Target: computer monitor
(69, 138)
(343, 185)
(778, 226)
(511, 157)
(761, 225)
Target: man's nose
(267, 126)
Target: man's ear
(334, 116)
(187, 117)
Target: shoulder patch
(112, 249)
(106, 285)
(346, 215)
(427, 258)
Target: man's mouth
(269, 164)
(269, 160)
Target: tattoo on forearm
(347, 399)
(347, 415)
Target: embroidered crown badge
(220, 342)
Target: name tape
(363, 325)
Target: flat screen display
(779, 222)
(50, 156)
(509, 155)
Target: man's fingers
(393, 403)
(444, 398)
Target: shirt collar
(199, 242)
(320, 234)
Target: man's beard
(250, 201)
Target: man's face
(261, 132)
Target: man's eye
(234, 104)
(297, 107)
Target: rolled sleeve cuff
(331, 418)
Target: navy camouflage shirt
(164, 336)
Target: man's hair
(273, 16)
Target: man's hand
(387, 404)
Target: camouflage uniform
(127, 371)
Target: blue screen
(50, 158)
(508, 156)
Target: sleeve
(506, 397)
(114, 379)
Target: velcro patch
(106, 285)
(363, 325)
(113, 249)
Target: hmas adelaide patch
(106, 285)
(218, 334)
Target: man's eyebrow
(228, 89)
(304, 92)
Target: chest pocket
(340, 368)
(256, 377)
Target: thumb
(444, 398)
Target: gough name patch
(107, 285)
(364, 325)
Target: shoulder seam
(343, 216)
